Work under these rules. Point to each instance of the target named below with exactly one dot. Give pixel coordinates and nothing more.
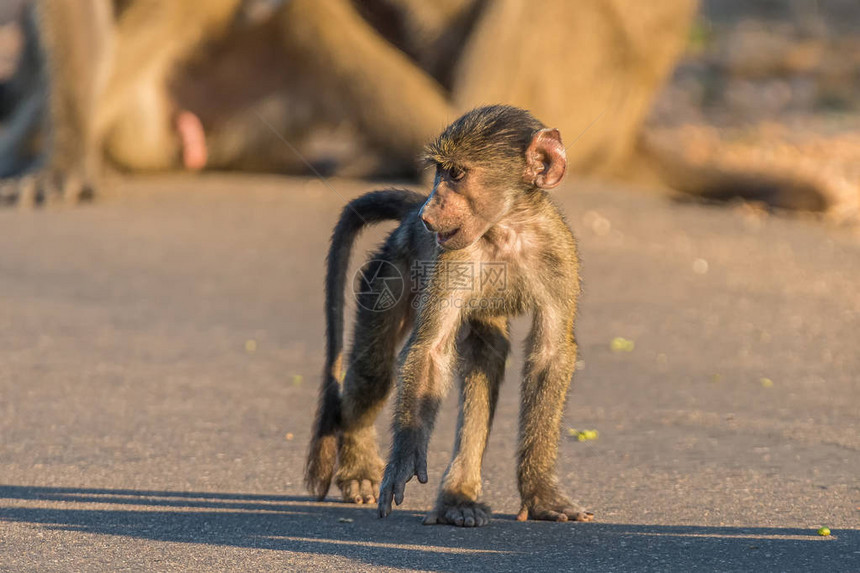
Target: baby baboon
(486, 244)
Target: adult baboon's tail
(373, 207)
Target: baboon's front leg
(482, 357)
(427, 361)
(548, 371)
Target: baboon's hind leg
(367, 383)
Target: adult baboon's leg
(398, 106)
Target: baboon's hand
(408, 459)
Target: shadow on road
(299, 524)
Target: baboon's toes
(541, 514)
(554, 512)
(360, 491)
(579, 515)
(369, 491)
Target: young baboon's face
(484, 162)
(463, 206)
(469, 197)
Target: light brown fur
(489, 209)
(388, 74)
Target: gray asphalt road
(159, 356)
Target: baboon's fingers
(393, 486)
(399, 491)
(385, 496)
(455, 516)
(421, 470)
(461, 516)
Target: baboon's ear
(546, 160)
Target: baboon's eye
(456, 173)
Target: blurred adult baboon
(160, 84)
(593, 66)
(100, 59)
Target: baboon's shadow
(299, 524)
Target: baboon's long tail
(373, 207)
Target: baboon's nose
(428, 224)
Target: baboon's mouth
(442, 238)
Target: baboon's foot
(462, 513)
(359, 466)
(44, 188)
(358, 477)
(553, 508)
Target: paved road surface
(159, 355)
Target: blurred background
(723, 99)
(758, 60)
(771, 85)
(160, 349)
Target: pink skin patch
(193, 137)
